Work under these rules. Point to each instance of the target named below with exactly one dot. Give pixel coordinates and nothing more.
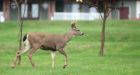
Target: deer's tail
(25, 37)
(26, 44)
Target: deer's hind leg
(13, 65)
(18, 57)
(33, 50)
(24, 49)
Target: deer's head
(74, 30)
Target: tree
(20, 20)
(105, 7)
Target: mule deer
(44, 41)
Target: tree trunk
(103, 37)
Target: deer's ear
(73, 24)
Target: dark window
(59, 5)
(1, 6)
(84, 8)
(68, 7)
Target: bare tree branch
(20, 20)
(101, 16)
(108, 12)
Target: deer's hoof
(64, 66)
(12, 66)
(33, 65)
(19, 63)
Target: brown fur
(53, 42)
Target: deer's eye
(77, 30)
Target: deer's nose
(82, 33)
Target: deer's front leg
(65, 55)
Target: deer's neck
(68, 36)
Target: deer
(53, 42)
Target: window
(59, 5)
(1, 6)
(75, 8)
(30, 11)
(68, 7)
(84, 8)
(24, 10)
(35, 10)
(93, 9)
(80, 8)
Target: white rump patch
(26, 45)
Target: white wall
(138, 9)
(2, 17)
(75, 16)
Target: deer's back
(54, 41)
(47, 41)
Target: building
(35, 9)
(47, 9)
(129, 9)
(64, 10)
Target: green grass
(122, 49)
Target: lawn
(122, 49)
